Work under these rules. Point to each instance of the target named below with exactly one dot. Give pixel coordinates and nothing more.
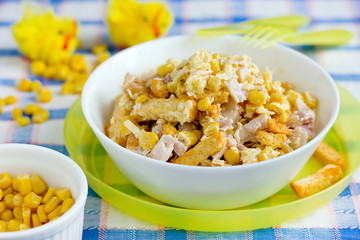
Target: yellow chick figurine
(131, 22)
(43, 36)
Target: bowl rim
(99, 133)
(53, 227)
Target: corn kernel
(6, 215)
(276, 97)
(24, 85)
(55, 213)
(62, 72)
(78, 88)
(172, 87)
(14, 225)
(78, 63)
(51, 204)
(215, 66)
(36, 85)
(18, 200)
(52, 219)
(15, 184)
(40, 116)
(102, 57)
(24, 184)
(49, 71)
(1, 194)
(23, 227)
(263, 155)
(198, 134)
(268, 86)
(35, 220)
(3, 226)
(8, 191)
(214, 83)
(148, 140)
(67, 88)
(276, 107)
(211, 128)
(38, 67)
(17, 113)
(310, 99)
(168, 129)
(232, 156)
(2, 206)
(5, 180)
(100, 48)
(189, 138)
(292, 96)
(142, 98)
(63, 193)
(41, 214)
(8, 200)
(257, 98)
(44, 95)
(283, 118)
(204, 104)
(10, 100)
(23, 121)
(26, 215)
(31, 108)
(49, 194)
(66, 205)
(165, 69)
(38, 185)
(32, 200)
(17, 212)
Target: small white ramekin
(58, 171)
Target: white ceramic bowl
(203, 187)
(58, 171)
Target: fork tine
(250, 33)
(266, 37)
(275, 39)
(259, 33)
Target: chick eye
(60, 32)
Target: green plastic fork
(293, 21)
(268, 34)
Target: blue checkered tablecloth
(340, 219)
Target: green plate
(107, 181)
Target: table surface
(339, 219)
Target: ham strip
(236, 91)
(163, 149)
(249, 131)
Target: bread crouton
(275, 127)
(203, 150)
(321, 179)
(326, 154)
(171, 110)
(122, 108)
(271, 139)
(132, 142)
(159, 88)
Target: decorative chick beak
(156, 28)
